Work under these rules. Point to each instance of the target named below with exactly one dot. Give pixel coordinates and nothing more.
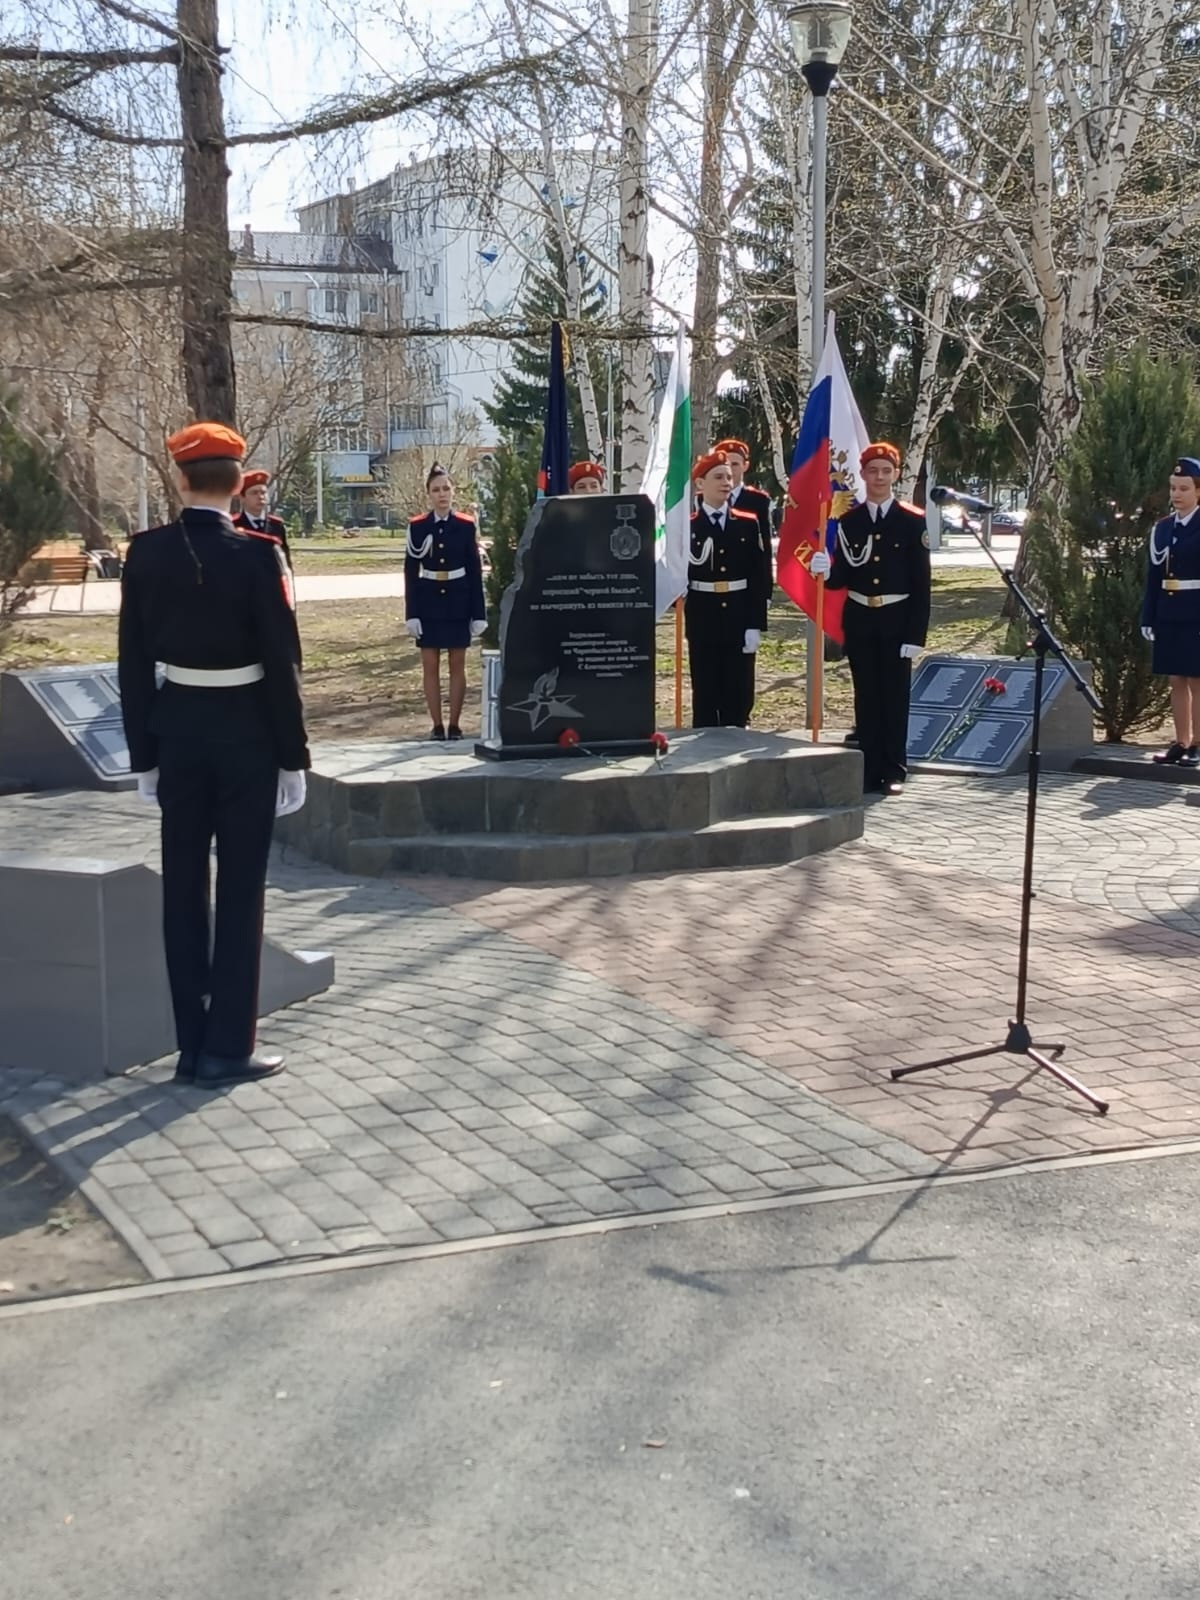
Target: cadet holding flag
(220, 746)
(882, 562)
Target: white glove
(290, 795)
(148, 786)
(414, 626)
(478, 628)
(1148, 635)
(820, 566)
(752, 641)
(910, 652)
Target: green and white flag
(668, 480)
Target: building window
(434, 274)
(370, 304)
(283, 300)
(405, 280)
(335, 302)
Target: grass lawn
(363, 676)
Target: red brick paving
(837, 968)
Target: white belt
(874, 600)
(215, 677)
(734, 586)
(443, 577)
(1173, 585)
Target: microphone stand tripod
(1019, 1041)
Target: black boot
(437, 731)
(215, 1072)
(185, 1067)
(455, 732)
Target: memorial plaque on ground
(977, 712)
(60, 727)
(577, 629)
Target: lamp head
(820, 32)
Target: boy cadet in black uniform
(220, 745)
(726, 607)
(882, 561)
(747, 498)
(254, 515)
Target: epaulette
(261, 533)
(907, 505)
(463, 517)
(421, 518)
(749, 515)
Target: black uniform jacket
(444, 547)
(1174, 556)
(274, 526)
(758, 501)
(730, 554)
(896, 562)
(199, 592)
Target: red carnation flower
(661, 743)
(568, 738)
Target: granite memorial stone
(577, 630)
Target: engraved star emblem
(543, 702)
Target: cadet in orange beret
(220, 747)
(254, 516)
(586, 477)
(747, 498)
(726, 607)
(882, 561)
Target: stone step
(757, 841)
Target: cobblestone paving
(494, 1058)
(903, 948)
(1129, 847)
(456, 1082)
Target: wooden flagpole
(818, 700)
(679, 663)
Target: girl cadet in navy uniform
(1171, 609)
(443, 596)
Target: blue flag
(556, 444)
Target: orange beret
(880, 451)
(738, 445)
(584, 469)
(705, 464)
(206, 441)
(251, 480)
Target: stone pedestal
(83, 980)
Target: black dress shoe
(851, 738)
(437, 731)
(1171, 756)
(892, 786)
(1190, 757)
(214, 1072)
(454, 731)
(185, 1067)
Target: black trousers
(210, 791)
(882, 681)
(722, 673)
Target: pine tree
(31, 502)
(1088, 544)
(518, 409)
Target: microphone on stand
(941, 496)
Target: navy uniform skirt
(445, 634)
(1176, 649)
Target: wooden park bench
(59, 564)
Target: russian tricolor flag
(823, 484)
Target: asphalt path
(978, 1391)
